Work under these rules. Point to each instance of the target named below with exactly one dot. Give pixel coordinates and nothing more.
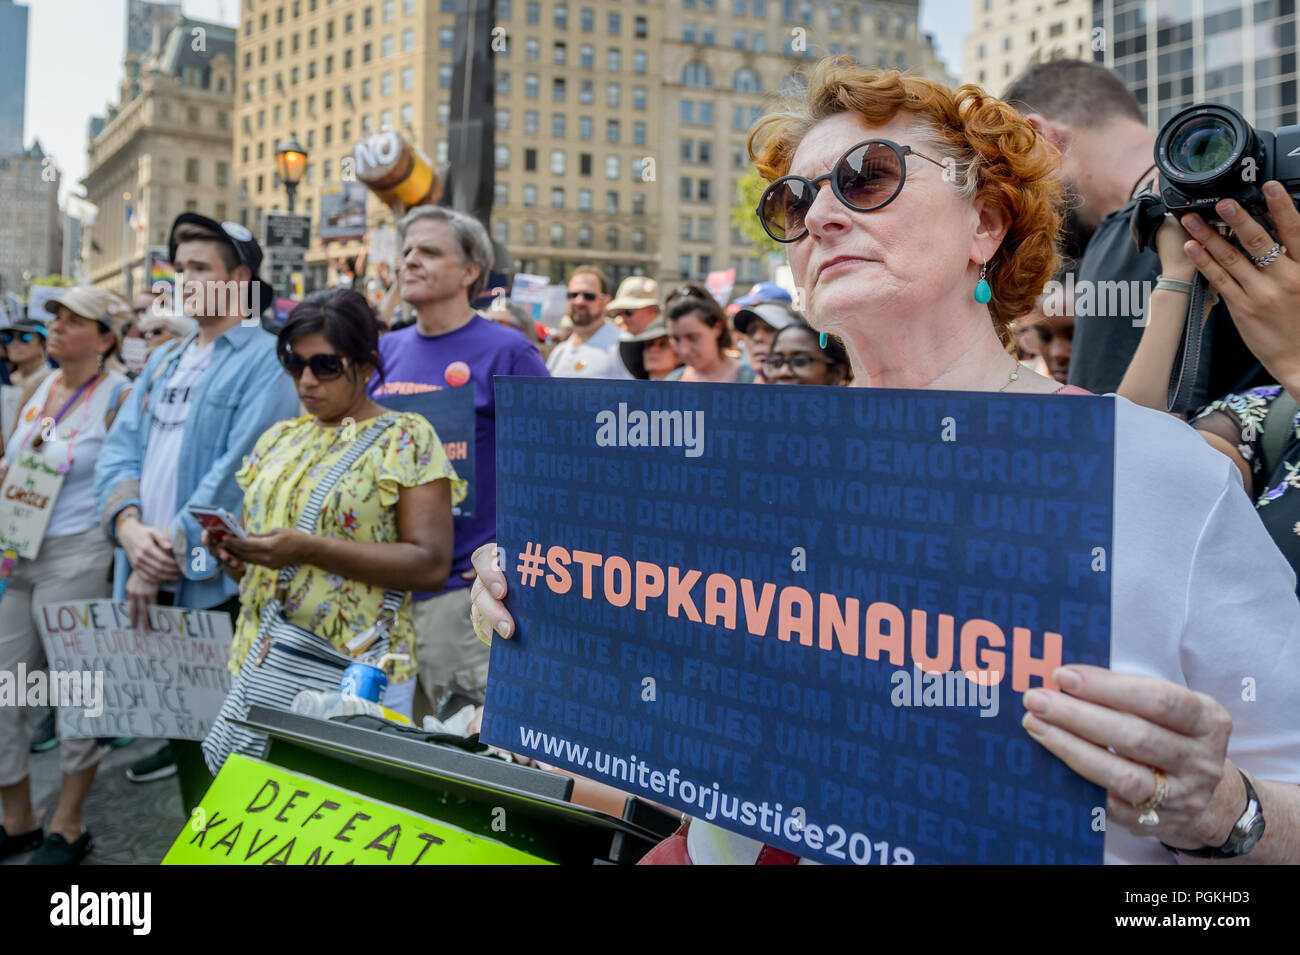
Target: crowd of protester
(349, 509)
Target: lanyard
(39, 439)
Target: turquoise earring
(822, 339)
(982, 291)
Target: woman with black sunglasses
(386, 525)
(920, 221)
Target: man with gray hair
(444, 264)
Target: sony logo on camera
(1209, 152)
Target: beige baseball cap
(96, 304)
(635, 291)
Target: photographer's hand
(1263, 301)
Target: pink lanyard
(39, 438)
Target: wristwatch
(1245, 835)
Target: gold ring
(1147, 810)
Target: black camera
(1209, 152)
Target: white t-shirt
(1200, 596)
(169, 404)
(597, 357)
(82, 431)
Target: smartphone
(217, 521)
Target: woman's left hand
(1262, 301)
(280, 548)
(1116, 730)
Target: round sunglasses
(869, 176)
(323, 367)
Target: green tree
(748, 192)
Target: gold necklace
(1014, 376)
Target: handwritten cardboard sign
(807, 615)
(259, 814)
(167, 680)
(27, 499)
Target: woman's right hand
(232, 565)
(487, 611)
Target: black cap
(241, 240)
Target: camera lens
(1201, 145)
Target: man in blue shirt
(197, 409)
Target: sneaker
(158, 766)
(23, 842)
(44, 734)
(56, 850)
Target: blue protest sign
(807, 614)
(451, 412)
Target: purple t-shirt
(415, 363)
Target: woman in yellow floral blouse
(386, 524)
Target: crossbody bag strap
(311, 511)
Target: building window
(561, 17)
(530, 121)
(408, 40)
(503, 119)
(587, 56)
(613, 94)
(501, 154)
(696, 74)
(532, 48)
(386, 119)
(530, 195)
(408, 78)
(587, 92)
(612, 165)
(584, 200)
(500, 194)
(558, 125)
(501, 231)
(557, 234)
(588, 18)
(585, 127)
(386, 84)
(557, 197)
(584, 164)
(612, 131)
(531, 85)
(444, 76)
(638, 134)
(557, 162)
(191, 170)
(530, 233)
(444, 114)
(503, 82)
(639, 61)
(584, 237)
(615, 24)
(611, 201)
(530, 160)
(639, 28)
(408, 115)
(446, 38)
(638, 240)
(706, 190)
(638, 204)
(614, 60)
(559, 90)
(385, 47)
(559, 52)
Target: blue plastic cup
(364, 682)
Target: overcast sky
(75, 48)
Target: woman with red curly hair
(920, 222)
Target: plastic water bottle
(326, 706)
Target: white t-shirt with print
(597, 357)
(1200, 597)
(169, 406)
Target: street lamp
(291, 163)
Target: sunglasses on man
(585, 296)
(323, 367)
(869, 176)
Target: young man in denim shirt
(197, 409)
